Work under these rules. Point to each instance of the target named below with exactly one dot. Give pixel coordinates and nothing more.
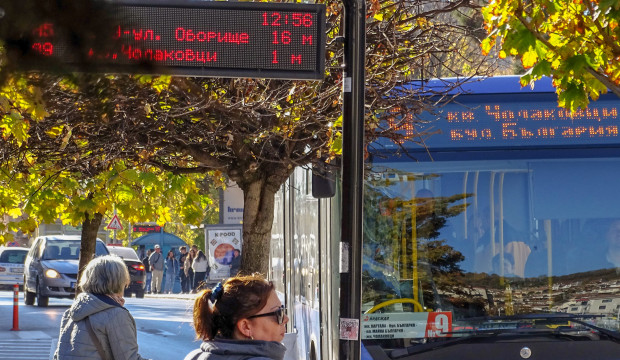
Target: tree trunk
(90, 227)
(257, 222)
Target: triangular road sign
(115, 223)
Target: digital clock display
(203, 38)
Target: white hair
(105, 275)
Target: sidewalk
(189, 296)
(38, 345)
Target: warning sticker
(349, 329)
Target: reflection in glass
(501, 238)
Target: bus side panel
(305, 255)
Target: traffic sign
(191, 38)
(115, 223)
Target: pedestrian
(97, 326)
(183, 274)
(235, 264)
(240, 319)
(189, 272)
(156, 261)
(172, 271)
(147, 268)
(200, 266)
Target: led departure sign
(511, 120)
(147, 228)
(204, 38)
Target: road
(163, 322)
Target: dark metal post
(352, 179)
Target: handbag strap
(95, 340)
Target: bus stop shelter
(165, 240)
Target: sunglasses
(280, 313)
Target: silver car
(12, 265)
(51, 267)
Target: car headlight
(51, 273)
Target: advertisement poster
(231, 204)
(221, 243)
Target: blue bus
(499, 237)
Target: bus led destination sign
(202, 38)
(480, 121)
(535, 124)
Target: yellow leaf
(529, 59)
(15, 213)
(55, 131)
(422, 22)
(486, 46)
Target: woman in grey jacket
(97, 326)
(240, 319)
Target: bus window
(503, 221)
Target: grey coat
(113, 325)
(157, 261)
(221, 349)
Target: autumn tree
(44, 194)
(256, 131)
(575, 42)
(50, 171)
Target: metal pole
(114, 231)
(352, 179)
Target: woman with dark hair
(200, 264)
(172, 271)
(187, 268)
(242, 318)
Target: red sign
(115, 223)
(439, 324)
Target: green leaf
(572, 98)
(576, 63)
(542, 68)
(607, 4)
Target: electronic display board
(201, 38)
(516, 120)
(146, 228)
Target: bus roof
(506, 84)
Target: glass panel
(446, 244)
(100, 249)
(276, 258)
(13, 256)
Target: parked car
(12, 265)
(136, 269)
(51, 267)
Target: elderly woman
(240, 319)
(97, 326)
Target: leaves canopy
(577, 42)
